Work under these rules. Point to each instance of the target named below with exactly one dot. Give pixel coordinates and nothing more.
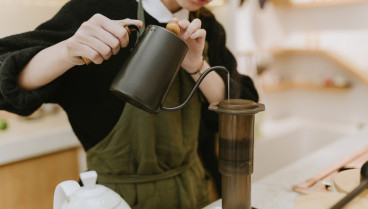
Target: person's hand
(194, 36)
(98, 39)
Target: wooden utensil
(326, 199)
(355, 161)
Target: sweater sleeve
(17, 50)
(12, 98)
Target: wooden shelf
(314, 3)
(292, 85)
(339, 60)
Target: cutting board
(348, 180)
(344, 182)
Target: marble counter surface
(31, 138)
(27, 138)
(274, 191)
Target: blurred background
(308, 59)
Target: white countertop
(31, 138)
(274, 191)
(27, 138)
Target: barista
(150, 160)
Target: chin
(192, 5)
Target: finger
(184, 24)
(97, 50)
(78, 48)
(116, 30)
(192, 27)
(97, 39)
(92, 55)
(200, 33)
(101, 47)
(128, 21)
(124, 37)
(107, 38)
(175, 19)
(113, 35)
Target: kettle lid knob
(89, 179)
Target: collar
(159, 11)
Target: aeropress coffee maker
(236, 150)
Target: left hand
(194, 36)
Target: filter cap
(237, 106)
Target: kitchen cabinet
(37, 153)
(30, 183)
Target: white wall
(340, 29)
(18, 16)
(227, 17)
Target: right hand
(98, 39)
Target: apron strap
(131, 179)
(140, 15)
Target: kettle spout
(63, 191)
(196, 85)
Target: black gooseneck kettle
(145, 78)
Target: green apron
(152, 160)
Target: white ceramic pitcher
(70, 195)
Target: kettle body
(70, 195)
(145, 78)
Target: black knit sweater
(83, 92)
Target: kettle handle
(131, 28)
(196, 86)
(63, 191)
